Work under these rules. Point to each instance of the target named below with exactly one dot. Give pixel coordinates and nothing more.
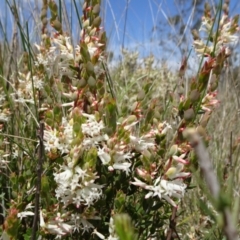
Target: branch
(212, 183)
(38, 182)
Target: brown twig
(230, 152)
(38, 182)
(172, 225)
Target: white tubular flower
(24, 90)
(63, 42)
(225, 33)
(120, 161)
(4, 112)
(206, 25)
(92, 127)
(67, 136)
(130, 126)
(76, 187)
(88, 194)
(142, 143)
(65, 223)
(101, 236)
(25, 214)
(104, 156)
(55, 226)
(166, 127)
(4, 156)
(51, 139)
(112, 233)
(57, 58)
(60, 140)
(139, 183)
(125, 166)
(163, 189)
(201, 48)
(174, 188)
(94, 141)
(35, 82)
(79, 222)
(92, 131)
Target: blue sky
(135, 24)
(142, 16)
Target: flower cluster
(170, 186)
(4, 111)
(76, 186)
(217, 41)
(57, 58)
(65, 223)
(209, 101)
(59, 139)
(27, 87)
(164, 189)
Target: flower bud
(189, 114)
(194, 95)
(86, 23)
(97, 22)
(173, 150)
(43, 13)
(89, 68)
(96, 9)
(91, 81)
(57, 25)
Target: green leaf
(124, 227)
(84, 52)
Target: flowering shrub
(95, 157)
